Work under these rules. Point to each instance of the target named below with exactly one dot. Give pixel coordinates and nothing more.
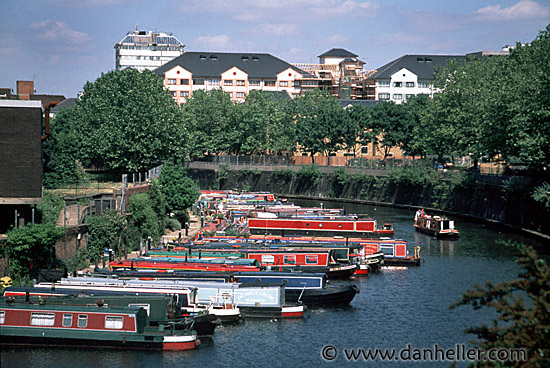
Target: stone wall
(481, 201)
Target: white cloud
(257, 11)
(336, 40)
(216, 43)
(276, 30)
(58, 32)
(525, 9)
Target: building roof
(213, 64)
(149, 38)
(338, 53)
(421, 65)
(65, 104)
(21, 103)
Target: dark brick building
(20, 160)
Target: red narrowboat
(97, 326)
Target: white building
(146, 50)
(235, 73)
(414, 74)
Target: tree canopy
(126, 120)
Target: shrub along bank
(510, 203)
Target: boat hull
(330, 296)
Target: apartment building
(412, 75)
(146, 50)
(339, 72)
(235, 73)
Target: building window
(283, 84)
(42, 319)
(254, 83)
(230, 94)
(67, 320)
(171, 81)
(397, 96)
(114, 322)
(82, 320)
(270, 83)
(409, 84)
(296, 84)
(214, 82)
(240, 83)
(184, 81)
(311, 260)
(422, 84)
(383, 83)
(289, 259)
(240, 94)
(227, 82)
(409, 95)
(383, 96)
(364, 150)
(2, 317)
(173, 93)
(184, 93)
(398, 84)
(198, 81)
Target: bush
(173, 224)
(309, 175)
(31, 248)
(284, 175)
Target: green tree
(207, 116)
(361, 129)
(529, 101)
(32, 247)
(108, 231)
(179, 190)
(320, 123)
(144, 217)
(393, 122)
(521, 323)
(158, 203)
(61, 152)
(126, 120)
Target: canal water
(401, 309)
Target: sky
(62, 44)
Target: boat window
(311, 260)
(114, 322)
(2, 317)
(82, 320)
(445, 225)
(147, 307)
(387, 250)
(268, 259)
(289, 259)
(67, 320)
(42, 319)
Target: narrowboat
(160, 309)
(395, 252)
(186, 264)
(97, 326)
(258, 300)
(304, 260)
(225, 310)
(309, 289)
(345, 226)
(438, 226)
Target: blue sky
(62, 44)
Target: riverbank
(456, 194)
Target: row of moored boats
(254, 257)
